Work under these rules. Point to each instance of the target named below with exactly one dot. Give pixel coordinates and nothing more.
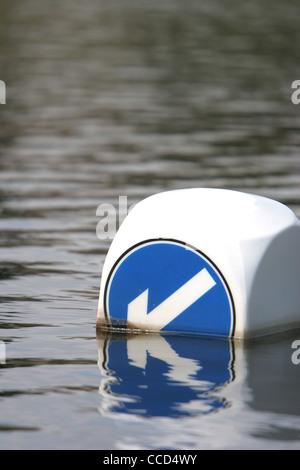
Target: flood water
(129, 98)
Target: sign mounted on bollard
(229, 265)
(164, 285)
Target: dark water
(130, 97)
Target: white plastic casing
(254, 242)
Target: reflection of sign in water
(166, 285)
(154, 375)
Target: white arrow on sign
(180, 369)
(173, 306)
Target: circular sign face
(168, 286)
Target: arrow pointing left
(170, 308)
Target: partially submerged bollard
(203, 261)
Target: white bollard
(204, 261)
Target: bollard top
(251, 241)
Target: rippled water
(131, 98)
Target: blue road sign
(165, 285)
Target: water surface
(128, 98)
